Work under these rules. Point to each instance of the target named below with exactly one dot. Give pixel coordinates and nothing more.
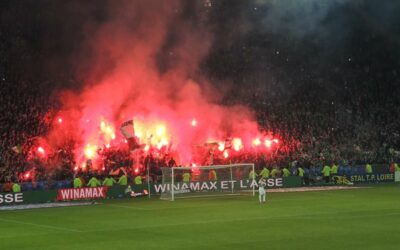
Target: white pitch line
(41, 225)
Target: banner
(82, 193)
(204, 186)
(11, 198)
(46, 196)
(372, 178)
(397, 176)
(292, 181)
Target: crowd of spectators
(23, 117)
(312, 135)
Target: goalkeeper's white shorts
(261, 191)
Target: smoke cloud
(299, 18)
(146, 69)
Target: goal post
(203, 181)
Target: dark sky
(277, 49)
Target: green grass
(367, 218)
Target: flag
(128, 131)
(228, 143)
(17, 149)
(116, 172)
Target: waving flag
(228, 143)
(128, 131)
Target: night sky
(276, 51)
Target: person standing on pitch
(262, 183)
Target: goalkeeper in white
(262, 183)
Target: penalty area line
(42, 226)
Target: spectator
(326, 171)
(109, 181)
(138, 180)
(16, 188)
(77, 182)
(93, 182)
(123, 180)
(264, 173)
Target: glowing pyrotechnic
(268, 143)
(136, 170)
(221, 146)
(75, 168)
(257, 142)
(171, 111)
(27, 175)
(162, 143)
(41, 150)
(60, 120)
(152, 133)
(194, 165)
(275, 140)
(226, 154)
(90, 151)
(108, 131)
(160, 130)
(138, 134)
(237, 144)
(128, 131)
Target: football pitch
(365, 218)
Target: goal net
(185, 182)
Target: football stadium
(199, 124)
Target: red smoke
(174, 110)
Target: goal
(202, 181)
